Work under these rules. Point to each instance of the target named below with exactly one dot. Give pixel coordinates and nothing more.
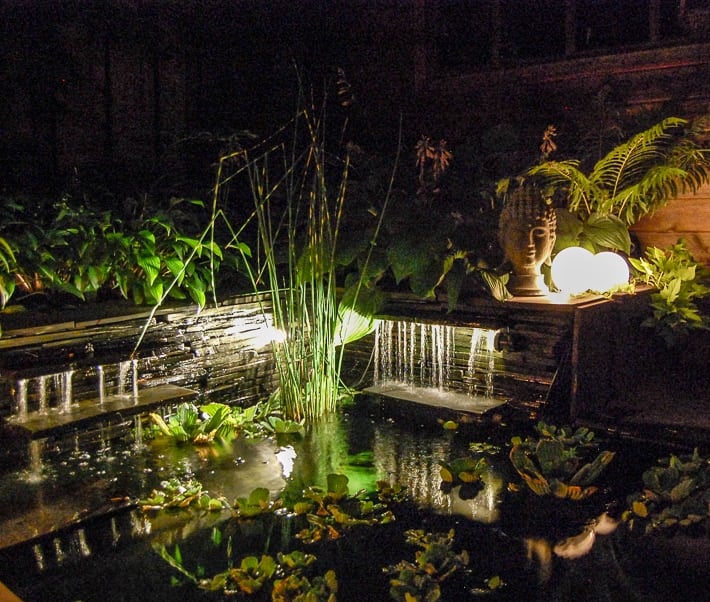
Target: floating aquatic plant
(258, 502)
(196, 425)
(391, 492)
(176, 493)
(280, 579)
(553, 463)
(482, 447)
(466, 472)
(217, 421)
(676, 494)
(332, 510)
(434, 562)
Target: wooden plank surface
(687, 216)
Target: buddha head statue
(526, 233)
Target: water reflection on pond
(541, 548)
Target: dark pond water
(532, 544)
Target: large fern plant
(632, 180)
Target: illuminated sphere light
(572, 269)
(609, 270)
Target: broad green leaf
(150, 264)
(337, 484)
(607, 232)
(175, 267)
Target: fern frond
(628, 162)
(658, 185)
(568, 176)
(691, 153)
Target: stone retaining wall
(218, 351)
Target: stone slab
(38, 425)
(452, 400)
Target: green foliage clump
(632, 180)
(258, 502)
(676, 494)
(69, 248)
(680, 281)
(180, 493)
(286, 577)
(332, 510)
(220, 422)
(434, 562)
(465, 472)
(553, 463)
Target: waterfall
(414, 354)
(420, 355)
(123, 368)
(35, 471)
(63, 384)
(39, 556)
(42, 393)
(101, 384)
(138, 431)
(481, 361)
(134, 378)
(58, 551)
(115, 532)
(21, 399)
(54, 392)
(79, 544)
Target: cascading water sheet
(416, 361)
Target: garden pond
(401, 499)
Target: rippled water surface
(100, 547)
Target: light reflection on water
(367, 443)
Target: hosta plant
(68, 248)
(556, 461)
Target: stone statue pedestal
(527, 285)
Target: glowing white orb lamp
(572, 269)
(609, 270)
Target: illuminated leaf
(639, 509)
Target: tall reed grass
(299, 194)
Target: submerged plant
(676, 494)
(554, 462)
(679, 281)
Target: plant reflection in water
(395, 461)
